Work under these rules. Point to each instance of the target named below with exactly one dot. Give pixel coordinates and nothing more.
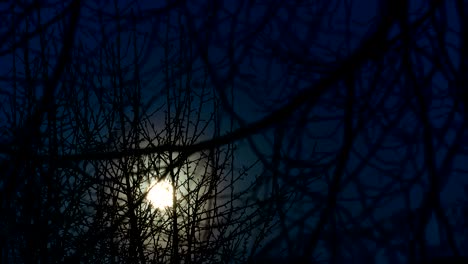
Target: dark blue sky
(292, 72)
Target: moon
(160, 194)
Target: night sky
(289, 131)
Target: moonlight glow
(160, 194)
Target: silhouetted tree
(313, 131)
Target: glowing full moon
(160, 194)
